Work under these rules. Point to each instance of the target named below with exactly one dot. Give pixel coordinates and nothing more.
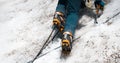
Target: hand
(99, 4)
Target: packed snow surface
(26, 24)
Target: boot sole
(66, 47)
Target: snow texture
(26, 24)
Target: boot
(67, 41)
(59, 20)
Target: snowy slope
(25, 25)
(98, 43)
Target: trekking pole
(44, 45)
(99, 12)
(58, 47)
(111, 17)
(52, 38)
(96, 15)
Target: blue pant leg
(73, 15)
(71, 23)
(61, 7)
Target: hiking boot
(67, 42)
(59, 20)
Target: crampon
(66, 43)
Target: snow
(26, 24)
